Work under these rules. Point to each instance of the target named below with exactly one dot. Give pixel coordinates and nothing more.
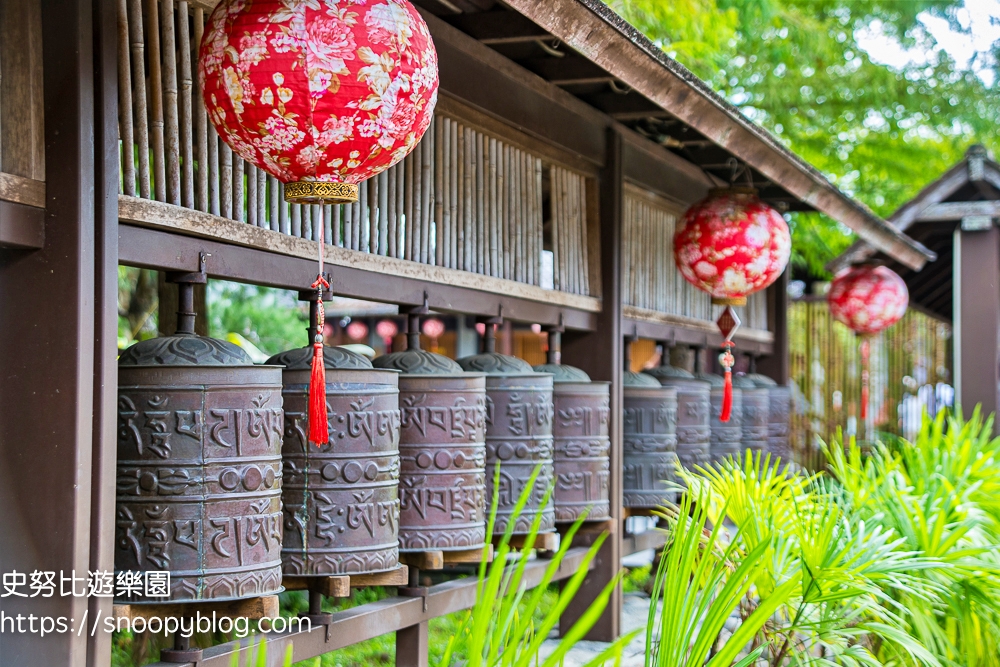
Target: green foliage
(797, 68)
(806, 578)
(939, 495)
(501, 629)
(271, 319)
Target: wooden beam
(21, 226)
(186, 222)
(265, 606)
(617, 104)
(162, 250)
(578, 350)
(570, 69)
(499, 27)
(22, 190)
(946, 211)
(976, 314)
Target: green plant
(941, 495)
(501, 630)
(807, 580)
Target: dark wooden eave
(586, 49)
(969, 194)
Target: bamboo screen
(650, 277)
(909, 371)
(463, 199)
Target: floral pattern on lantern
(732, 244)
(868, 298)
(319, 90)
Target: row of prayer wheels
(218, 484)
(671, 418)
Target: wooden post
(776, 365)
(411, 646)
(976, 319)
(58, 392)
(600, 354)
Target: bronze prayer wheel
(518, 434)
(726, 438)
(778, 414)
(581, 412)
(755, 414)
(442, 480)
(341, 499)
(199, 472)
(649, 426)
(693, 412)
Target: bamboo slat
(137, 59)
(172, 141)
(201, 126)
(156, 100)
(125, 120)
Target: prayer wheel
(199, 471)
(582, 443)
(755, 413)
(518, 433)
(442, 449)
(726, 438)
(649, 426)
(341, 499)
(693, 431)
(778, 414)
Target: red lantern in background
(731, 244)
(433, 328)
(868, 299)
(357, 331)
(321, 95)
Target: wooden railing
(650, 278)
(466, 198)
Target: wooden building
(956, 217)
(559, 129)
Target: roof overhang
(593, 29)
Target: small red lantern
(357, 331)
(868, 299)
(731, 244)
(321, 95)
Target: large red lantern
(321, 95)
(867, 298)
(731, 244)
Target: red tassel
(319, 426)
(727, 397)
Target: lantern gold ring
(729, 301)
(320, 192)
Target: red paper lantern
(321, 94)
(731, 244)
(868, 299)
(317, 92)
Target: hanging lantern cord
(319, 426)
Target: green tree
(797, 67)
(272, 319)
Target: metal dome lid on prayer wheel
(442, 481)
(581, 412)
(693, 411)
(518, 432)
(341, 502)
(199, 471)
(649, 425)
(725, 437)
